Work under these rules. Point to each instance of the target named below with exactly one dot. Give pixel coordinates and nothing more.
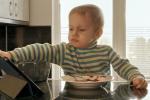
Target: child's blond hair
(93, 11)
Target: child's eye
(70, 29)
(82, 30)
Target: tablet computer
(10, 68)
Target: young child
(81, 55)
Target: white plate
(86, 84)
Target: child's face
(81, 31)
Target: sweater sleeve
(122, 66)
(39, 52)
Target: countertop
(60, 90)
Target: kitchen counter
(60, 90)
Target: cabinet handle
(10, 3)
(10, 14)
(15, 4)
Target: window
(138, 34)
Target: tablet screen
(9, 68)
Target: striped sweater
(94, 59)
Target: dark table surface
(60, 90)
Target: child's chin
(77, 46)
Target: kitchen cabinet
(21, 10)
(4, 8)
(14, 10)
(40, 12)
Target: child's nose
(75, 33)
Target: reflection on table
(127, 92)
(70, 92)
(44, 86)
(123, 92)
(59, 90)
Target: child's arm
(127, 70)
(36, 52)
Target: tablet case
(15, 83)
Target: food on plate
(97, 78)
(87, 78)
(68, 78)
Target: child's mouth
(74, 40)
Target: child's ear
(99, 33)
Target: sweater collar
(91, 45)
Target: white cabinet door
(21, 10)
(14, 9)
(40, 12)
(4, 8)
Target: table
(60, 90)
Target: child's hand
(5, 54)
(139, 83)
(139, 93)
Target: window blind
(138, 34)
